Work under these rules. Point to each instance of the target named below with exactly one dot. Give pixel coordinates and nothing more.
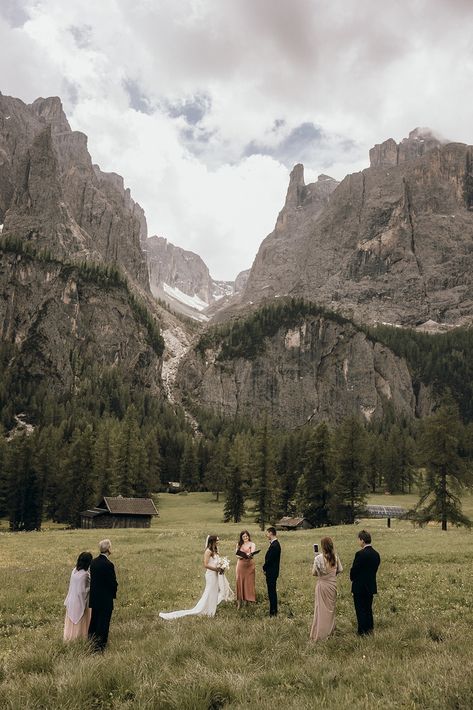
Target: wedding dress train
(216, 590)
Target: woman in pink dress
(245, 569)
(76, 623)
(326, 567)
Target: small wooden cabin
(288, 523)
(174, 487)
(119, 512)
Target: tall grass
(419, 656)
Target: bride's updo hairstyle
(212, 544)
(328, 551)
(240, 541)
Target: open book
(244, 556)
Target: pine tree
(154, 460)
(129, 454)
(447, 473)
(236, 476)
(350, 485)
(215, 478)
(265, 492)
(398, 460)
(105, 456)
(375, 459)
(318, 473)
(3, 474)
(288, 474)
(24, 487)
(80, 484)
(189, 473)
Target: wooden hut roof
(93, 512)
(128, 506)
(291, 522)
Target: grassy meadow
(419, 657)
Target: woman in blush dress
(245, 570)
(326, 567)
(76, 623)
(216, 589)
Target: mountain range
(80, 280)
(392, 243)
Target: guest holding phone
(245, 569)
(326, 567)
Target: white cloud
(246, 74)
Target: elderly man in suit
(363, 582)
(103, 590)
(271, 569)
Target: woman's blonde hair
(328, 550)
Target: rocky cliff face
(182, 278)
(52, 195)
(317, 370)
(393, 243)
(274, 271)
(60, 316)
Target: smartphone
(316, 548)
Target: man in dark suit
(103, 590)
(271, 569)
(363, 582)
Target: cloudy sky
(204, 106)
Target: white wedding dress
(216, 590)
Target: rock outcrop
(241, 280)
(182, 278)
(61, 316)
(276, 264)
(51, 194)
(319, 369)
(393, 243)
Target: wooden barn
(287, 523)
(119, 512)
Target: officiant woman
(245, 570)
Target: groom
(271, 569)
(103, 590)
(363, 582)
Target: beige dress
(245, 575)
(325, 597)
(76, 623)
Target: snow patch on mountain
(191, 301)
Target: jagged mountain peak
(419, 141)
(298, 193)
(182, 279)
(52, 195)
(390, 243)
(51, 111)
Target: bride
(216, 589)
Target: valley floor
(419, 657)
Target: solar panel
(385, 511)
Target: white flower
(223, 563)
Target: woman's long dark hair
(212, 544)
(83, 561)
(240, 541)
(328, 551)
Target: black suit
(363, 587)
(271, 570)
(103, 590)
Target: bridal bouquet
(223, 564)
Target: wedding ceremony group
(93, 586)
